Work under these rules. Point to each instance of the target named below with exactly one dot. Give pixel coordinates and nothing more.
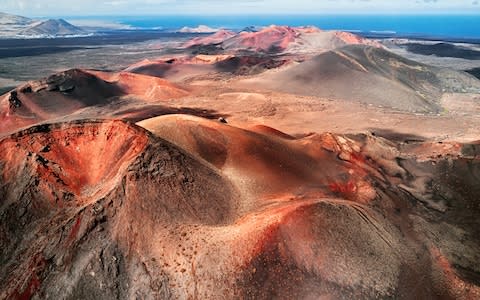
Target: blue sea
(441, 26)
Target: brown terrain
(289, 163)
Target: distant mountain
(282, 39)
(52, 27)
(10, 25)
(7, 19)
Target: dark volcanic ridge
(475, 72)
(443, 50)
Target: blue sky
(224, 7)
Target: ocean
(441, 26)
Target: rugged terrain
(244, 165)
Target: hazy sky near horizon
(223, 7)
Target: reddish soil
(215, 38)
(262, 210)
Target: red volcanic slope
(149, 88)
(68, 92)
(353, 39)
(57, 95)
(173, 69)
(179, 69)
(269, 167)
(108, 210)
(261, 162)
(215, 38)
(88, 184)
(182, 60)
(269, 38)
(284, 38)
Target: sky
(35, 8)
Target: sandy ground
(298, 115)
